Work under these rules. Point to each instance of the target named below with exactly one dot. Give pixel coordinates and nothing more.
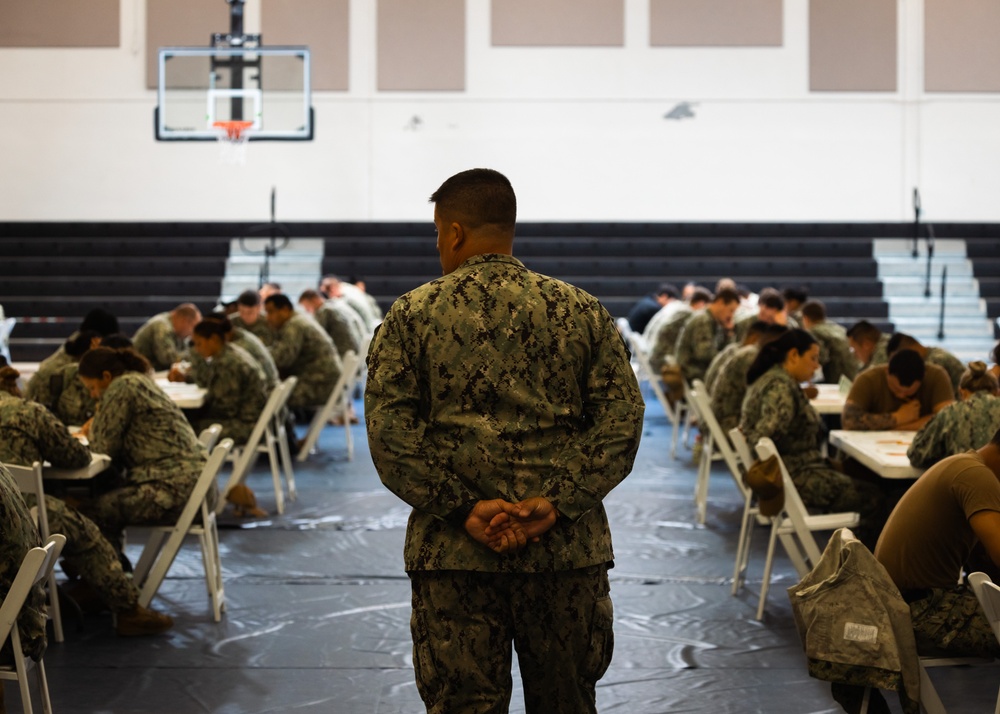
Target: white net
(233, 138)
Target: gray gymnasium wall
(598, 110)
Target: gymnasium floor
(318, 611)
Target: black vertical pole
(236, 64)
(944, 279)
(916, 220)
(930, 257)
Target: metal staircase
(296, 266)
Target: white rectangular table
(884, 452)
(184, 395)
(830, 399)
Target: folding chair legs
(701, 483)
(285, 455)
(25, 689)
(743, 545)
(272, 457)
(765, 584)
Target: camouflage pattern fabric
(835, 356)
(260, 329)
(497, 382)
(339, 326)
(718, 362)
(731, 387)
(29, 432)
(665, 343)
(776, 407)
(39, 386)
(301, 348)
(960, 426)
(18, 535)
(949, 363)
(951, 623)
(359, 301)
(236, 393)
(147, 435)
(561, 625)
(157, 342)
(880, 355)
(74, 404)
(261, 355)
(701, 339)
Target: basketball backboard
(202, 86)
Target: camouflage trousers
(463, 624)
(90, 554)
(951, 623)
(824, 488)
(311, 394)
(147, 503)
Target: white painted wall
(580, 132)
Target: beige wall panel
(421, 45)
(171, 23)
(962, 51)
(59, 23)
(715, 23)
(852, 45)
(567, 23)
(321, 25)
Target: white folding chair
(36, 566)
(6, 327)
(165, 541)
(209, 437)
(29, 481)
(796, 522)
(271, 430)
(678, 414)
(339, 402)
(988, 594)
(715, 446)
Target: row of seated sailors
(152, 443)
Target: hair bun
(977, 368)
(8, 373)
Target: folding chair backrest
(741, 447)
(638, 345)
(275, 402)
(6, 327)
(988, 594)
(204, 482)
(795, 510)
(35, 567)
(699, 399)
(29, 481)
(210, 437)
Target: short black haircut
(815, 310)
(727, 295)
(900, 341)
(906, 366)
(100, 320)
(668, 289)
(280, 301)
(478, 197)
(248, 298)
(995, 356)
(116, 341)
(769, 297)
(864, 330)
(798, 293)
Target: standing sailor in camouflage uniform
(776, 407)
(834, 351)
(147, 436)
(234, 383)
(301, 348)
(18, 535)
(501, 406)
(30, 433)
(706, 333)
(343, 324)
(163, 339)
(963, 425)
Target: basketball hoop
(232, 137)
